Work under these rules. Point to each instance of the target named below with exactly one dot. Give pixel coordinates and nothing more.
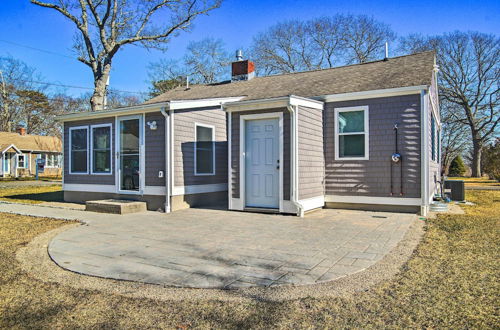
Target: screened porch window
(78, 141)
(204, 150)
(101, 149)
(351, 133)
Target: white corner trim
(424, 148)
(366, 115)
(372, 94)
(229, 161)
(373, 200)
(89, 187)
(199, 189)
(312, 203)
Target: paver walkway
(221, 249)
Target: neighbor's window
(101, 149)
(51, 160)
(21, 161)
(204, 150)
(433, 137)
(78, 140)
(351, 133)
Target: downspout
(294, 111)
(168, 186)
(424, 153)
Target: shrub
(491, 160)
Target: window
(21, 161)
(78, 141)
(433, 137)
(101, 149)
(204, 154)
(351, 133)
(51, 160)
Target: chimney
(242, 69)
(21, 130)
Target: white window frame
(92, 149)
(56, 160)
(196, 148)
(24, 161)
(366, 132)
(70, 151)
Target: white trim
(242, 174)
(139, 117)
(199, 189)
(312, 203)
(24, 161)
(212, 127)
(154, 190)
(143, 108)
(372, 94)
(91, 140)
(202, 103)
(89, 187)
(12, 146)
(424, 152)
(229, 161)
(366, 132)
(373, 200)
(269, 103)
(70, 149)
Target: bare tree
(453, 136)
(205, 62)
(323, 42)
(283, 48)
(105, 26)
(469, 78)
(364, 38)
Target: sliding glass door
(130, 132)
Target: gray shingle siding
(372, 177)
(88, 178)
(184, 138)
(311, 155)
(155, 149)
(235, 150)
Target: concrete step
(115, 206)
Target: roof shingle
(30, 142)
(402, 71)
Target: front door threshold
(261, 210)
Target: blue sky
(235, 22)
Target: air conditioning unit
(457, 188)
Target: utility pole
(5, 105)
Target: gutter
(167, 159)
(294, 111)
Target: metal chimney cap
(239, 55)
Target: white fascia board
(171, 105)
(373, 200)
(15, 148)
(270, 103)
(372, 94)
(202, 103)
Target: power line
(37, 49)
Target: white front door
(262, 163)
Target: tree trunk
(98, 99)
(477, 150)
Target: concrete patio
(201, 248)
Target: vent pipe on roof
(386, 51)
(239, 55)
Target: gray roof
(402, 71)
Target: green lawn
(451, 281)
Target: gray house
(360, 136)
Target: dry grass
(450, 282)
(32, 194)
(476, 181)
